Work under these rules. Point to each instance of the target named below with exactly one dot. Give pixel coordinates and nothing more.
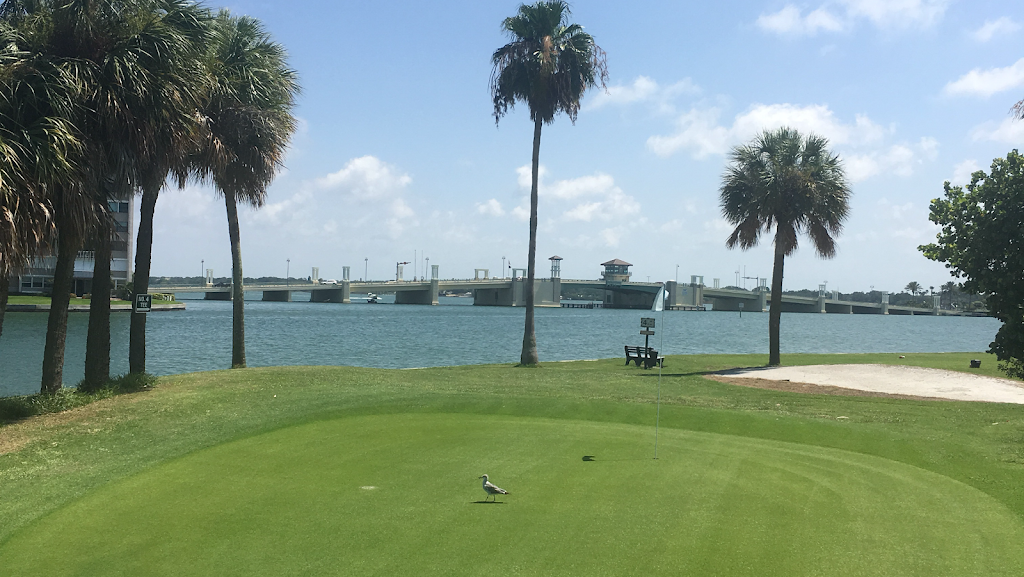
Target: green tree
(913, 287)
(248, 124)
(161, 136)
(948, 289)
(982, 240)
(37, 146)
(117, 54)
(791, 183)
(548, 64)
(49, 33)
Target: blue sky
(398, 152)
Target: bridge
(617, 294)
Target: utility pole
(366, 269)
(288, 272)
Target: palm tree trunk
(5, 287)
(57, 323)
(529, 355)
(97, 344)
(237, 290)
(140, 279)
(775, 312)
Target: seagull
(492, 489)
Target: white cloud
(988, 82)
(898, 13)
(492, 208)
(1009, 131)
(844, 14)
(644, 90)
(368, 191)
(588, 198)
(861, 142)
(789, 20)
(700, 132)
(992, 28)
(365, 178)
(962, 172)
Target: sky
(398, 156)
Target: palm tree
(46, 35)
(36, 147)
(791, 183)
(160, 138)
(121, 55)
(248, 124)
(948, 289)
(914, 287)
(548, 64)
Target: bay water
(405, 336)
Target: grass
(41, 300)
(264, 471)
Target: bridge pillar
(338, 295)
(696, 291)
(762, 301)
(493, 297)
(884, 308)
(427, 296)
(218, 296)
(278, 296)
(821, 303)
(546, 293)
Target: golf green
(400, 494)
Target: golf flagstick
(659, 305)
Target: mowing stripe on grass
(295, 502)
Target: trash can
(975, 364)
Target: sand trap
(891, 380)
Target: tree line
(104, 99)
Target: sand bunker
(882, 380)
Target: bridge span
(511, 292)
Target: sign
(143, 303)
(647, 323)
(648, 333)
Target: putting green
(398, 494)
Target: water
(393, 336)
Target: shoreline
(27, 308)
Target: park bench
(648, 356)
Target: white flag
(659, 301)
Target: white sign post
(647, 323)
(143, 303)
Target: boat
(371, 299)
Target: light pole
(503, 268)
(202, 271)
(288, 272)
(677, 274)
(366, 269)
(427, 268)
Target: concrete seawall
(22, 308)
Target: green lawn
(40, 300)
(347, 471)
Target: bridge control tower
(616, 271)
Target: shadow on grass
(653, 373)
(19, 408)
(488, 502)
